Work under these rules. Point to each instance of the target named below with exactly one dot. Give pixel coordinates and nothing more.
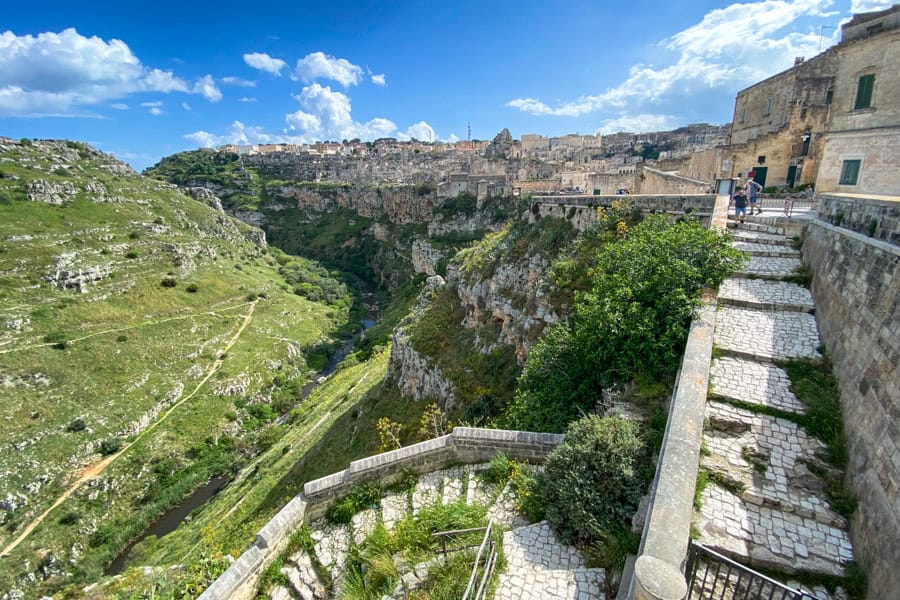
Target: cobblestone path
(771, 509)
(539, 566)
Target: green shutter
(850, 172)
(864, 92)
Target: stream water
(172, 518)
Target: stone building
(779, 124)
(862, 145)
(480, 186)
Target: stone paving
(765, 266)
(767, 335)
(757, 237)
(772, 250)
(766, 294)
(774, 512)
(753, 382)
(539, 567)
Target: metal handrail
(474, 575)
(732, 580)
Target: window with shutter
(864, 92)
(850, 172)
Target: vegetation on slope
(169, 369)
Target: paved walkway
(539, 566)
(772, 509)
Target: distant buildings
(833, 120)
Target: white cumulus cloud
(241, 134)
(318, 65)
(732, 46)
(642, 122)
(264, 62)
(185, 106)
(206, 86)
(862, 6)
(379, 79)
(421, 131)
(326, 115)
(56, 73)
(246, 99)
(119, 106)
(238, 81)
(156, 111)
(151, 104)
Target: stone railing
(877, 217)
(465, 445)
(658, 571)
(581, 210)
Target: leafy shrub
(131, 254)
(499, 470)
(192, 288)
(122, 338)
(57, 339)
(592, 484)
(263, 412)
(76, 425)
(169, 282)
(631, 320)
(110, 446)
(363, 497)
(70, 518)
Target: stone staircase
(772, 509)
(538, 565)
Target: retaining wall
(856, 284)
(581, 211)
(464, 445)
(658, 571)
(876, 218)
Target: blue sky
(146, 79)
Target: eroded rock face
(206, 195)
(416, 375)
(400, 204)
(425, 257)
(41, 190)
(515, 297)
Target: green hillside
(147, 342)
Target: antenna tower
(469, 131)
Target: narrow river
(172, 518)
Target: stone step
(766, 335)
(757, 227)
(768, 537)
(739, 235)
(769, 458)
(578, 584)
(753, 382)
(535, 547)
(767, 250)
(765, 294)
(769, 267)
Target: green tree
(592, 483)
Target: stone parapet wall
(856, 284)
(581, 210)
(876, 218)
(465, 445)
(664, 542)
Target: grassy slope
(135, 343)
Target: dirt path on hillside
(120, 329)
(99, 467)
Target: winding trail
(99, 467)
(138, 325)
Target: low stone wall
(856, 283)
(581, 210)
(664, 543)
(875, 217)
(465, 445)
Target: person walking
(739, 200)
(753, 189)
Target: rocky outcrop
(206, 195)
(515, 297)
(401, 204)
(416, 375)
(425, 257)
(257, 237)
(41, 190)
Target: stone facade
(856, 283)
(878, 219)
(872, 134)
(779, 122)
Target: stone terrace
(774, 512)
